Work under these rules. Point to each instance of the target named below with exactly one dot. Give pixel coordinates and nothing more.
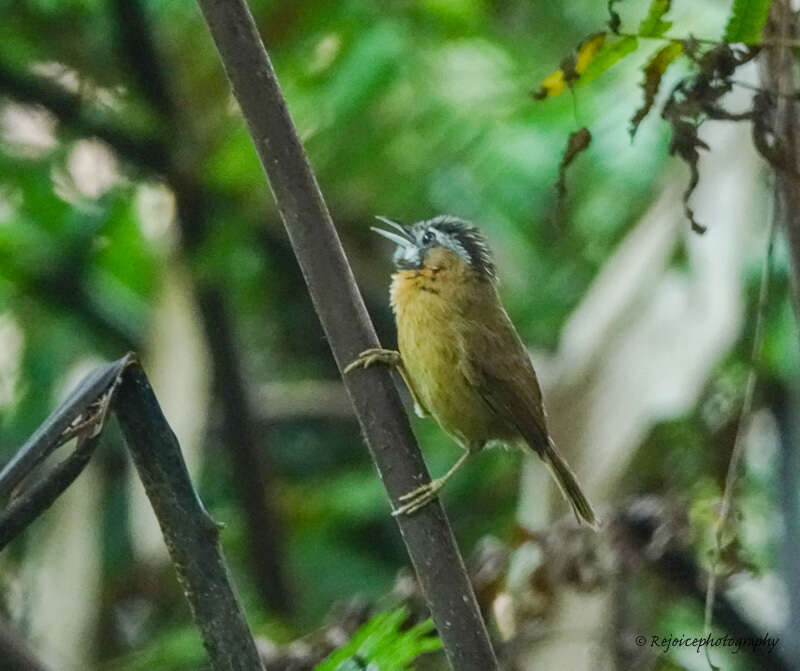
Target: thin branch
(767, 42)
(55, 430)
(742, 423)
(779, 74)
(792, 95)
(666, 38)
(784, 404)
(191, 536)
(26, 507)
(344, 318)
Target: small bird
(459, 353)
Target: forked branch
(190, 534)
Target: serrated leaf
(746, 21)
(653, 24)
(653, 72)
(572, 67)
(608, 56)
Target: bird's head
(443, 240)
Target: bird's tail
(569, 486)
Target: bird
(460, 355)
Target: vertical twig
(344, 318)
(783, 406)
(779, 75)
(192, 537)
(742, 422)
(677, 569)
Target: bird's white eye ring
(428, 237)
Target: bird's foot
(368, 357)
(419, 497)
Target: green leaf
(746, 21)
(382, 645)
(608, 56)
(653, 25)
(653, 72)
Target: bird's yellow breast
(432, 312)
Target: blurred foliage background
(134, 215)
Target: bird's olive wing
(497, 365)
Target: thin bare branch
(191, 536)
(26, 507)
(742, 423)
(348, 328)
(58, 428)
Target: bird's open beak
(402, 238)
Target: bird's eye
(428, 238)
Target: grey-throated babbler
(460, 355)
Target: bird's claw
(418, 498)
(372, 356)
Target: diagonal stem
(349, 330)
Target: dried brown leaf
(577, 143)
(653, 72)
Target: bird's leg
(391, 358)
(424, 494)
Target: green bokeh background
(407, 109)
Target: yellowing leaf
(572, 67)
(588, 50)
(653, 72)
(551, 85)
